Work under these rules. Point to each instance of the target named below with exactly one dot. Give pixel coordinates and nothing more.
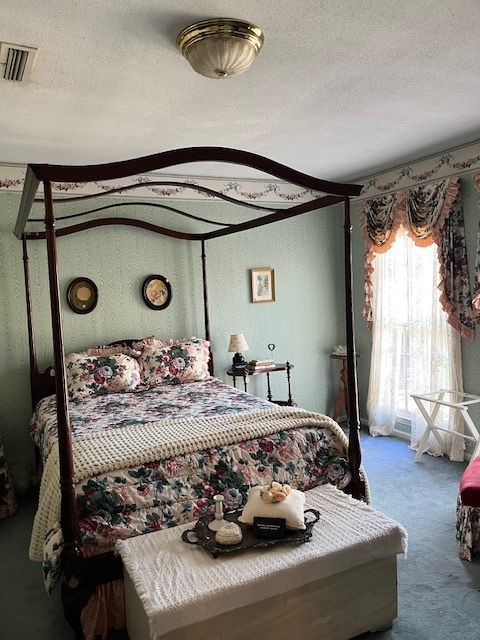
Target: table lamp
(236, 345)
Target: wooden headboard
(42, 384)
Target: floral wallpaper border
(12, 178)
(443, 165)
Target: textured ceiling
(340, 90)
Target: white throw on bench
(339, 584)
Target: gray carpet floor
(438, 594)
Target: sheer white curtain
(415, 349)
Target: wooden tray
(204, 537)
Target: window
(415, 350)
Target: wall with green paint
(304, 322)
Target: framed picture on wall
(157, 292)
(263, 284)
(82, 295)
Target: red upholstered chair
(468, 511)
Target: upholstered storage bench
(339, 584)
(468, 511)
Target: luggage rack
(456, 400)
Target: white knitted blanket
(134, 445)
(179, 584)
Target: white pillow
(291, 508)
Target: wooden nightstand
(236, 372)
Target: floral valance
(430, 213)
(380, 222)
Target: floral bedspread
(164, 493)
(117, 410)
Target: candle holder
(219, 521)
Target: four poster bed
(130, 440)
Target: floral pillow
(95, 375)
(180, 362)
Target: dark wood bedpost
(205, 304)
(354, 450)
(31, 336)
(69, 519)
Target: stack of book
(256, 366)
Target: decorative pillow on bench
(291, 508)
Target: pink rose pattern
(165, 493)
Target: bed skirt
(105, 611)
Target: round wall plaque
(82, 295)
(157, 292)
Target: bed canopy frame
(328, 193)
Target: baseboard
(401, 434)
(396, 432)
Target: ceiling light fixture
(220, 47)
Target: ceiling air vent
(17, 61)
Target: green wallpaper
(304, 322)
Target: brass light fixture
(220, 47)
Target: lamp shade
(237, 343)
(220, 47)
